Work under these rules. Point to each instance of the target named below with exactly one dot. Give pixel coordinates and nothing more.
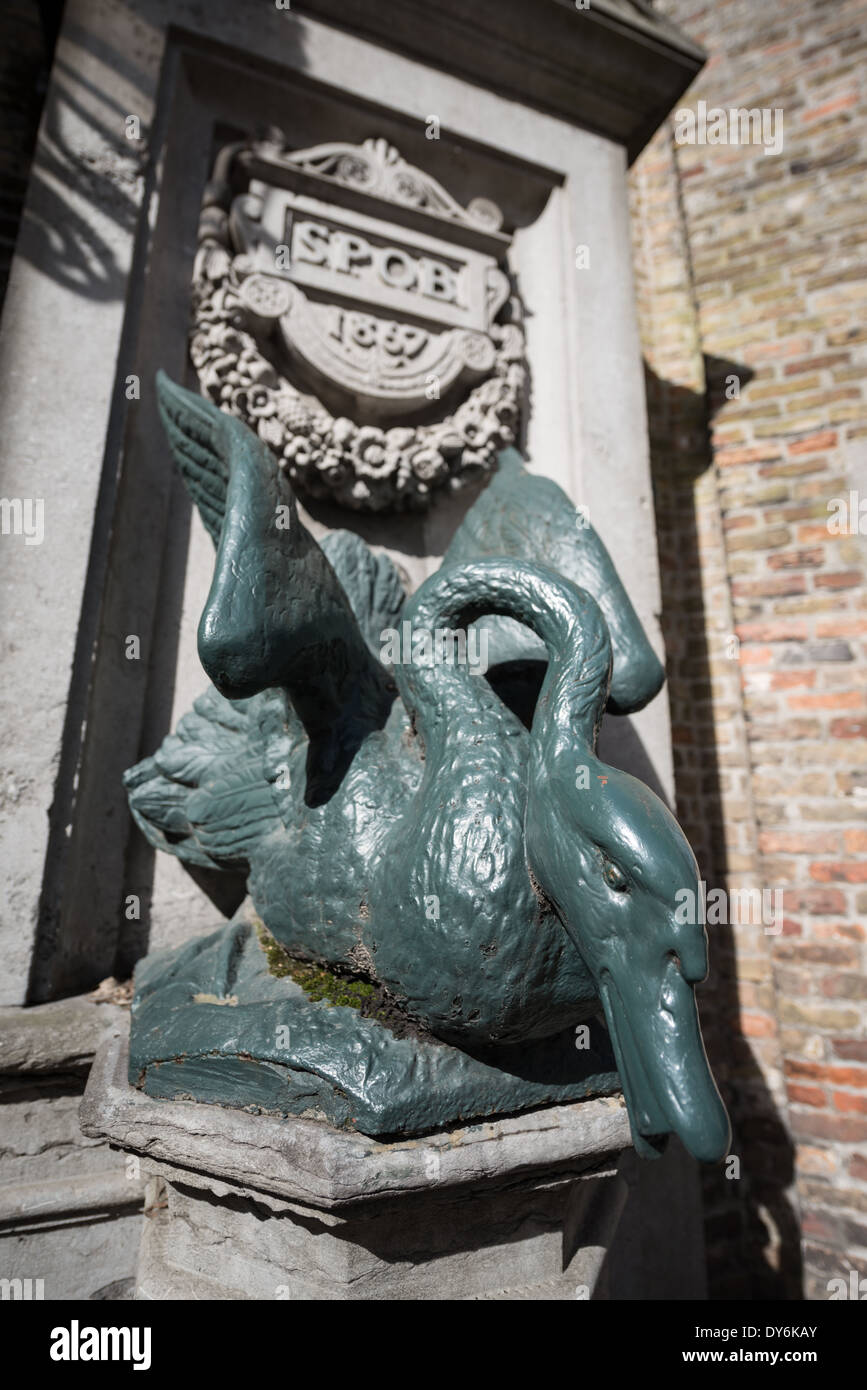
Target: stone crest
(358, 318)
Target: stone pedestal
(250, 1206)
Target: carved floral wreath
(360, 466)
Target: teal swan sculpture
(455, 908)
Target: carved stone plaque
(352, 312)
(376, 310)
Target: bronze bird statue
(446, 837)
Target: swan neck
(566, 618)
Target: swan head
(614, 863)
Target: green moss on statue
(322, 985)
(317, 982)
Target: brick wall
(752, 273)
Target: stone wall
(69, 1208)
(26, 42)
(752, 292)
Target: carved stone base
(256, 1207)
(211, 1024)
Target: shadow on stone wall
(28, 32)
(751, 1228)
(61, 242)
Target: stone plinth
(252, 1206)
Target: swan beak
(667, 1082)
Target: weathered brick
(807, 1095)
(770, 588)
(821, 1162)
(818, 953)
(812, 364)
(822, 1194)
(797, 559)
(814, 900)
(840, 699)
(773, 632)
(817, 652)
(828, 931)
(822, 1071)
(849, 1104)
(858, 1167)
(791, 680)
(824, 439)
(844, 627)
(798, 842)
(845, 986)
(770, 538)
(809, 511)
(818, 1015)
(824, 872)
(811, 535)
(756, 453)
(825, 811)
(849, 728)
(757, 1026)
(843, 1129)
(809, 603)
(821, 1226)
(842, 579)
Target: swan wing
(203, 441)
(201, 447)
(229, 775)
(529, 517)
(371, 582)
(222, 782)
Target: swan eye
(614, 878)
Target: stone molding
(616, 67)
(309, 1161)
